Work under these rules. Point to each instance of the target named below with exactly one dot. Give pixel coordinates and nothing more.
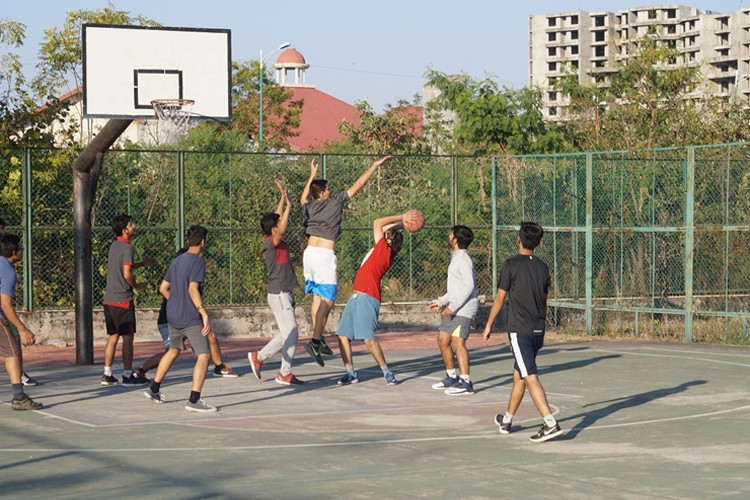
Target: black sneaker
(546, 433)
(134, 380)
(25, 403)
(324, 349)
(109, 380)
(503, 427)
(446, 383)
(28, 381)
(314, 352)
(157, 398)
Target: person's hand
(446, 312)
(434, 307)
(148, 261)
(206, 323)
(281, 188)
(28, 337)
(382, 161)
(486, 332)
(313, 168)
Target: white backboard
(126, 67)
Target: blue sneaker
(446, 383)
(390, 378)
(349, 378)
(463, 387)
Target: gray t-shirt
(183, 270)
(323, 217)
(118, 291)
(281, 277)
(7, 280)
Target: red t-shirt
(374, 266)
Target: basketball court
(641, 420)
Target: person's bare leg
(13, 368)
(314, 311)
(376, 351)
(345, 347)
(213, 344)
(321, 317)
(127, 352)
(446, 351)
(516, 393)
(152, 362)
(110, 349)
(165, 364)
(199, 372)
(462, 354)
(538, 396)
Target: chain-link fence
(651, 243)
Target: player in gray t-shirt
(322, 213)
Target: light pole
(737, 80)
(261, 65)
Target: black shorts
(120, 321)
(524, 348)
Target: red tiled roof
(413, 114)
(321, 113)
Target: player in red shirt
(360, 317)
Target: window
(552, 66)
(598, 20)
(552, 111)
(652, 14)
(551, 21)
(671, 29)
(574, 49)
(551, 37)
(671, 13)
(599, 51)
(574, 35)
(552, 51)
(574, 64)
(552, 96)
(599, 36)
(573, 19)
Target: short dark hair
(531, 235)
(268, 222)
(9, 244)
(195, 235)
(119, 223)
(397, 240)
(464, 236)
(317, 187)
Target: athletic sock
(465, 377)
(384, 367)
(155, 386)
(127, 373)
(507, 418)
(451, 373)
(220, 367)
(550, 421)
(108, 371)
(349, 368)
(17, 391)
(315, 341)
(194, 396)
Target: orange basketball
(413, 220)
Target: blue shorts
(360, 318)
(319, 266)
(524, 348)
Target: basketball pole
(86, 170)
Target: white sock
(507, 418)
(349, 368)
(127, 373)
(108, 371)
(550, 421)
(384, 367)
(451, 373)
(465, 377)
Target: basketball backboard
(126, 67)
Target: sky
(358, 50)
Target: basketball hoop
(174, 115)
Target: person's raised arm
(313, 174)
(360, 183)
(282, 197)
(381, 225)
(285, 207)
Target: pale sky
(371, 50)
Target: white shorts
(320, 268)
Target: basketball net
(173, 119)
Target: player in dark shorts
(525, 281)
(119, 308)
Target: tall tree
(489, 119)
(281, 114)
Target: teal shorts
(360, 318)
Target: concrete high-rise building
(591, 44)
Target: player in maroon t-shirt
(360, 317)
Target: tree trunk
(86, 169)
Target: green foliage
(492, 120)
(281, 115)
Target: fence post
(454, 190)
(689, 240)
(180, 199)
(589, 242)
(28, 292)
(494, 225)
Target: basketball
(413, 220)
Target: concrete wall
(58, 327)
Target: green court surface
(642, 420)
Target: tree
(281, 116)
(491, 120)
(397, 131)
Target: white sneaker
(199, 406)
